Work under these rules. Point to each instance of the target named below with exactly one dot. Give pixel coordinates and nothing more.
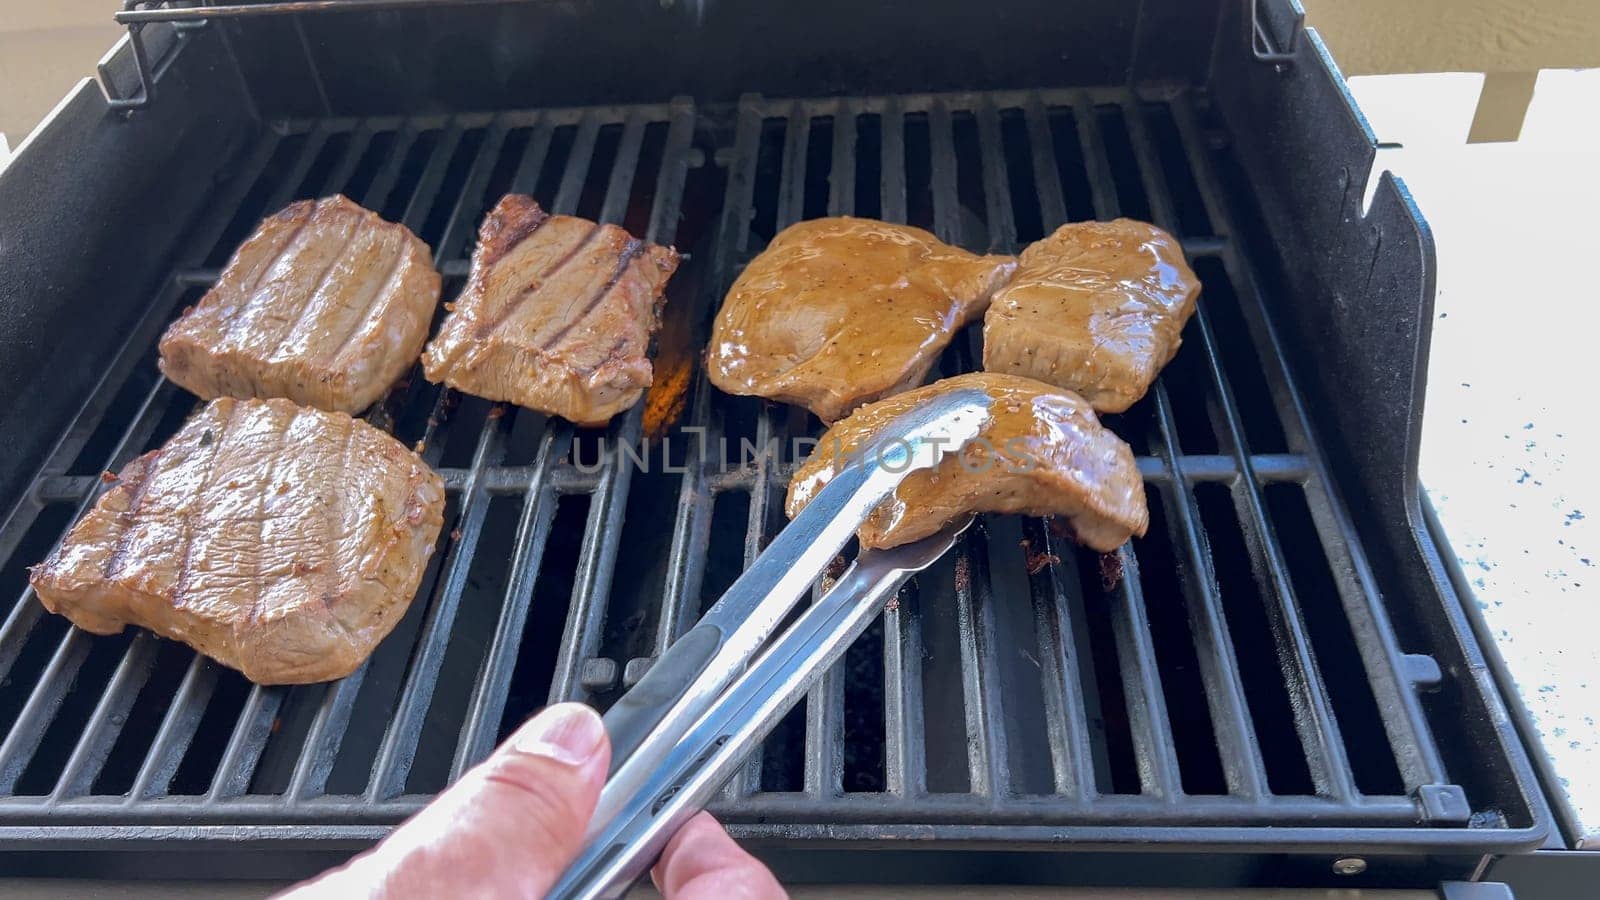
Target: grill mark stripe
(479, 336)
(282, 339)
(186, 558)
(267, 493)
(386, 290)
(129, 517)
(249, 293)
(632, 252)
(330, 577)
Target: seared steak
(1097, 307)
(839, 312)
(557, 315)
(1042, 453)
(282, 541)
(326, 304)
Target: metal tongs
(704, 706)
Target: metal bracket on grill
(1276, 45)
(178, 16)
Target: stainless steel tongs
(710, 699)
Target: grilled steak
(1097, 307)
(326, 304)
(839, 312)
(1042, 453)
(557, 315)
(282, 541)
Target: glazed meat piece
(1097, 307)
(281, 541)
(840, 312)
(557, 315)
(326, 304)
(1043, 452)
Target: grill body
(1279, 675)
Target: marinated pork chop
(1097, 307)
(557, 315)
(326, 304)
(840, 312)
(1042, 453)
(282, 541)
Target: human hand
(511, 825)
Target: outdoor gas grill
(1278, 685)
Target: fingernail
(568, 733)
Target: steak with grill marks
(281, 541)
(1043, 452)
(557, 315)
(1096, 307)
(841, 311)
(326, 304)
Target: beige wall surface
(46, 46)
(1385, 36)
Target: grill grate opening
(1133, 201)
(918, 171)
(176, 408)
(1097, 643)
(944, 716)
(367, 166)
(316, 181)
(1004, 561)
(409, 174)
(972, 229)
(286, 736)
(100, 658)
(652, 152)
(552, 594)
(1337, 655)
(488, 578)
(1077, 196)
(210, 737)
(48, 528)
(869, 151)
(171, 660)
(555, 165)
(606, 143)
(819, 167)
(1018, 144)
(29, 663)
(1189, 385)
(864, 711)
(783, 754)
(455, 174)
(1254, 647)
(1242, 364)
(252, 208)
(1187, 202)
(1162, 578)
(724, 559)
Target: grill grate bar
(533, 155)
(842, 176)
(1046, 177)
(105, 724)
(1243, 766)
(946, 208)
(432, 175)
(355, 148)
(577, 171)
(608, 500)
(1410, 738)
(1147, 708)
(892, 193)
(399, 745)
(1065, 681)
(177, 729)
(488, 701)
(470, 199)
(377, 196)
(28, 729)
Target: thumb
(509, 827)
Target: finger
(509, 827)
(702, 863)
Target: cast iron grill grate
(1235, 667)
